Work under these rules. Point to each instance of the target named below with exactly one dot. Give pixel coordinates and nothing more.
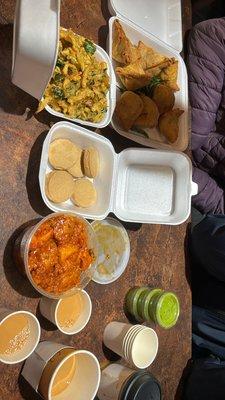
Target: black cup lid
(141, 386)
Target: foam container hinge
(137, 185)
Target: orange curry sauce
(59, 253)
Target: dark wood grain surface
(157, 252)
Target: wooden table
(157, 252)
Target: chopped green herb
(104, 110)
(60, 63)
(147, 90)
(58, 78)
(71, 89)
(89, 46)
(58, 93)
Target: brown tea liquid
(69, 310)
(14, 333)
(64, 376)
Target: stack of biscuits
(74, 169)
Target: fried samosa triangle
(123, 51)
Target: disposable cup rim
(84, 324)
(65, 359)
(131, 358)
(36, 341)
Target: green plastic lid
(167, 310)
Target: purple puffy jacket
(206, 68)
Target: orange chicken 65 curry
(59, 253)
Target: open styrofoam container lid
(35, 44)
(161, 18)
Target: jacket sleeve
(210, 197)
(206, 66)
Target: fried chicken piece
(164, 97)
(128, 109)
(42, 235)
(150, 114)
(169, 124)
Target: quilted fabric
(206, 69)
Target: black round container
(141, 386)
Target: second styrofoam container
(137, 185)
(133, 24)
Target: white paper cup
(84, 383)
(131, 334)
(49, 309)
(32, 341)
(142, 348)
(114, 335)
(136, 343)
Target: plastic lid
(35, 44)
(113, 250)
(141, 386)
(160, 18)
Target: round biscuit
(63, 154)
(60, 186)
(76, 169)
(91, 162)
(84, 194)
(47, 178)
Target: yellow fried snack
(91, 162)
(76, 169)
(169, 124)
(80, 82)
(63, 154)
(149, 57)
(134, 76)
(122, 49)
(59, 186)
(150, 114)
(84, 194)
(170, 74)
(164, 97)
(128, 109)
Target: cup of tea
(69, 314)
(137, 344)
(58, 371)
(19, 335)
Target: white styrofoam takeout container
(139, 22)
(137, 185)
(35, 49)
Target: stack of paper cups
(136, 343)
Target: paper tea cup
(41, 369)
(49, 308)
(142, 348)
(136, 343)
(114, 335)
(30, 342)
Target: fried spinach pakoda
(80, 82)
